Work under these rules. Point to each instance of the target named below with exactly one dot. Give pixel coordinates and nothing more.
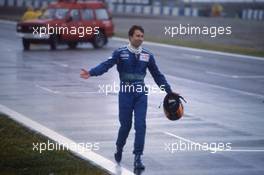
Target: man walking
(132, 62)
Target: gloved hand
(178, 95)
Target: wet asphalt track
(225, 97)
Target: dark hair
(133, 28)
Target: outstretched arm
(101, 68)
(158, 76)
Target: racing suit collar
(133, 49)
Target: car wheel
(99, 40)
(53, 42)
(26, 44)
(72, 45)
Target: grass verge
(17, 155)
(203, 45)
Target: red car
(70, 23)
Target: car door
(74, 25)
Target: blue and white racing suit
(132, 71)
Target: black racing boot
(138, 162)
(118, 156)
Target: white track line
(81, 92)
(47, 89)
(64, 93)
(236, 76)
(212, 150)
(192, 142)
(8, 22)
(244, 150)
(197, 57)
(188, 80)
(60, 64)
(81, 151)
(218, 87)
(195, 50)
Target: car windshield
(54, 13)
(101, 14)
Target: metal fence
(190, 8)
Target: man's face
(137, 38)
